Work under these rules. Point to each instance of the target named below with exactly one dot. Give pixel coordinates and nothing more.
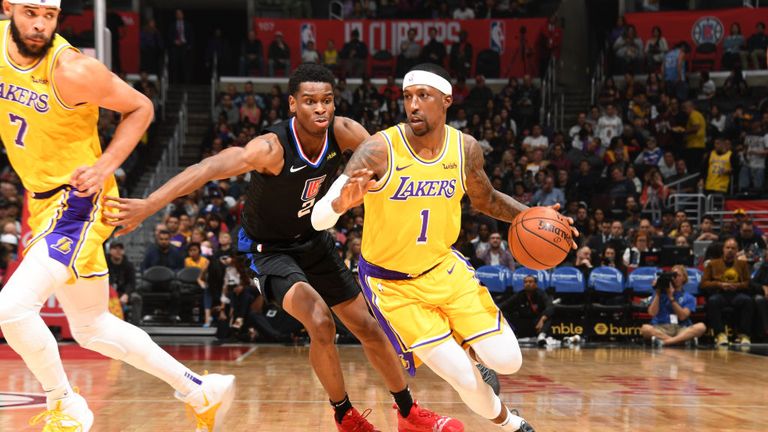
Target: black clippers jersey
(278, 208)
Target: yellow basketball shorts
(73, 228)
(447, 301)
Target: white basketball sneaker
(211, 401)
(69, 414)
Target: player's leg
(23, 328)
(94, 328)
(450, 362)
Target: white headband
(422, 77)
(44, 3)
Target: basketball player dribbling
(50, 96)
(422, 291)
(291, 165)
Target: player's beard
(26, 50)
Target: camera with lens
(664, 280)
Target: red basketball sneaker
(353, 421)
(423, 420)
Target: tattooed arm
(479, 189)
(369, 162)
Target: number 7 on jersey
(19, 120)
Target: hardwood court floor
(601, 389)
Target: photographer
(671, 309)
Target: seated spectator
(495, 254)
(251, 57)
(756, 46)
(735, 84)
(733, 44)
(726, 280)
(671, 309)
(331, 56)
(309, 54)
(172, 224)
(461, 56)
(610, 259)
(584, 261)
(609, 126)
(650, 156)
(354, 56)
(707, 87)
(631, 255)
(162, 253)
(353, 253)
(530, 311)
(433, 51)
(279, 55)
(250, 112)
(667, 166)
(655, 48)
(482, 243)
(535, 140)
(706, 229)
(751, 245)
(628, 50)
(548, 194)
(227, 108)
(609, 93)
(122, 276)
(463, 11)
(759, 287)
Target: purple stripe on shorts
(498, 327)
(63, 241)
(394, 339)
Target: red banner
(129, 35)
(506, 36)
(696, 27)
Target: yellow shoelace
(53, 419)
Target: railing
(597, 78)
(164, 85)
(214, 81)
(547, 94)
(333, 7)
(167, 167)
(678, 184)
(693, 204)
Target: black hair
(435, 69)
(194, 244)
(310, 72)
(711, 219)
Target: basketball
(540, 238)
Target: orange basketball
(540, 238)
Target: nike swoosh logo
(294, 169)
(205, 400)
(402, 168)
(451, 270)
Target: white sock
(512, 423)
(32, 340)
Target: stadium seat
(607, 280)
(704, 57)
(159, 293)
(520, 273)
(694, 279)
(488, 63)
(189, 291)
(568, 285)
(493, 277)
(641, 280)
(381, 64)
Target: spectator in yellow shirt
(695, 135)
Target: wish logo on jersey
(424, 188)
(312, 188)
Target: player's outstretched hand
(556, 207)
(126, 213)
(357, 186)
(87, 180)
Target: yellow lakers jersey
(46, 140)
(413, 216)
(719, 171)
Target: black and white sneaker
(490, 378)
(524, 426)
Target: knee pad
(107, 335)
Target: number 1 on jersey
(424, 222)
(16, 119)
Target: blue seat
(694, 279)
(520, 273)
(605, 279)
(493, 277)
(567, 280)
(641, 280)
